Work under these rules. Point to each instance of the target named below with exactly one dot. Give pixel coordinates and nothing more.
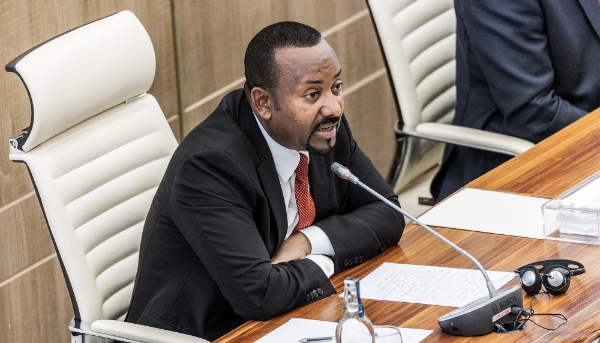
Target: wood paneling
(17, 34)
(371, 113)
(25, 24)
(36, 307)
(358, 51)
(34, 304)
(212, 35)
(25, 237)
(195, 117)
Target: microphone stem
(488, 282)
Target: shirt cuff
(324, 262)
(320, 243)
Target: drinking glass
(387, 334)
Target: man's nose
(331, 106)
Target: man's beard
(330, 142)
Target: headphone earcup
(531, 281)
(557, 280)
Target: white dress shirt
(286, 161)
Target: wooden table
(546, 170)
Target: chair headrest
(83, 72)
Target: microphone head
(343, 172)
(340, 170)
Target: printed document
(428, 284)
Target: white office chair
(96, 150)
(418, 42)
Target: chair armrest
(142, 333)
(470, 137)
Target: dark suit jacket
(218, 217)
(525, 69)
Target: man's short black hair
(259, 61)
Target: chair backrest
(96, 150)
(418, 41)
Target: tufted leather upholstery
(418, 42)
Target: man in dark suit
(235, 231)
(523, 68)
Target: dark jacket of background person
(525, 69)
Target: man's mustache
(327, 121)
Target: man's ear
(262, 102)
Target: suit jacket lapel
(318, 179)
(266, 169)
(592, 11)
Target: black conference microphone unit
(477, 317)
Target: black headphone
(555, 275)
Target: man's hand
(295, 247)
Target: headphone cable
(532, 313)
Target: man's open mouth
(326, 128)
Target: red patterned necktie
(304, 202)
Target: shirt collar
(286, 160)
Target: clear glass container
(355, 326)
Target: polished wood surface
(546, 170)
(553, 166)
(497, 253)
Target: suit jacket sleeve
(214, 198)
(364, 226)
(509, 44)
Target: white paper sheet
(297, 328)
(428, 284)
(489, 211)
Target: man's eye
(312, 95)
(338, 86)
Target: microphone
(477, 317)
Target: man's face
(308, 101)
